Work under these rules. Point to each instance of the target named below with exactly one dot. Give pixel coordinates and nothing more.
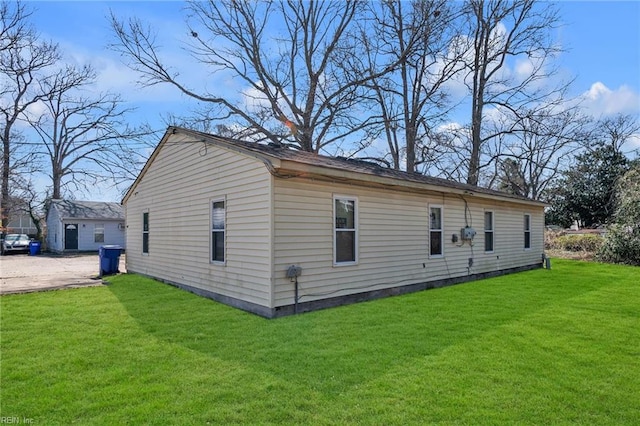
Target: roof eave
(297, 169)
(279, 167)
(114, 219)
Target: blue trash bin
(109, 259)
(34, 248)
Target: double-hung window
(145, 232)
(218, 227)
(435, 231)
(488, 231)
(345, 230)
(98, 233)
(527, 231)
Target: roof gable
(70, 209)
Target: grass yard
(539, 347)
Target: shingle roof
(348, 164)
(68, 209)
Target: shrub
(550, 239)
(579, 242)
(622, 244)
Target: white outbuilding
(84, 226)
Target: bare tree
(540, 148)
(23, 162)
(83, 136)
(24, 61)
(28, 200)
(418, 35)
(501, 31)
(297, 89)
(617, 131)
(13, 17)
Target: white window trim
(146, 253)
(526, 231)
(492, 231)
(436, 206)
(211, 230)
(355, 229)
(97, 226)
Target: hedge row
(576, 243)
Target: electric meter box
(467, 233)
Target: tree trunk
(56, 184)
(6, 160)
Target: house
(84, 225)
(275, 231)
(21, 223)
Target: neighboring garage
(23, 273)
(80, 226)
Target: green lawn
(558, 346)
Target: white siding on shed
(113, 234)
(87, 215)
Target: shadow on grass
(335, 349)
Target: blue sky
(602, 39)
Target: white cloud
(112, 75)
(254, 99)
(524, 68)
(459, 133)
(600, 100)
(35, 110)
(451, 127)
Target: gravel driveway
(21, 273)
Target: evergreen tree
(587, 191)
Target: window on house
(218, 219)
(345, 230)
(98, 233)
(527, 231)
(435, 231)
(145, 232)
(488, 231)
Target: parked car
(15, 243)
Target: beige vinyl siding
(177, 190)
(392, 239)
(508, 236)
